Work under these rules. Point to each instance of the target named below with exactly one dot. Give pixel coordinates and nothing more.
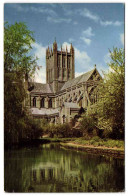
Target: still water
(51, 168)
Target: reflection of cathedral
(61, 98)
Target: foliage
(33, 129)
(17, 64)
(97, 141)
(88, 125)
(17, 45)
(109, 110)
(63, 131)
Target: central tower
(59, 66)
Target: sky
(92, 28)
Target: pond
(51, 168)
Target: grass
(95, 141)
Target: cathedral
(63, 95)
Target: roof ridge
(78, 79)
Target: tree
(110, 107)
(17, 64)
(17, 45)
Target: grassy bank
(95, 142)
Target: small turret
(66, 49)
(54, 46)
(51, 52)
(71, 49)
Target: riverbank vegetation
(94, 141)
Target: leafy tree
(17, 45)
(17, 64)
(110, 107)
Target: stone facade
(63, 95)
(59, 67)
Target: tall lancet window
(50, 103)
(42, 103)
(68, 62)
(63, 62)
(58, 61)
(34, 102)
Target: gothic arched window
(63, 62)
(34, 102)
(50, 103)
(42, 103)
(58, 61)
(68, 73)
(64, 119)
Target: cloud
(107, 58)
(18, 7)
(43, 10)
(122, 38)
(88, 32)
(82, 59)
(86, 13)
(108, 23)
(86, 40)
(71, 40)
(40, 52)
(75, 22)
(58, 20)
(40, 76)
(67, 9)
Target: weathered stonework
(63, 95)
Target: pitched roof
(78, 80)
(41, 88)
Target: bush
(96, 138)
(32, 129)
(64, 131)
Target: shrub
(96, 138)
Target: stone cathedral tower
(59, 66)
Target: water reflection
(49, 168)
